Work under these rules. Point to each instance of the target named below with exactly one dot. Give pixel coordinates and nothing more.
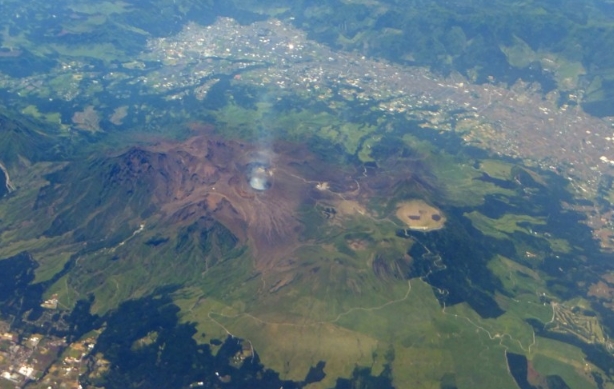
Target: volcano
(259, 177)
(177, 183)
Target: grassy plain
(412, 333)
(256, 125)
(516, 277)
(566, 71)
(458, 178)
(501, 228)
(556, 358)
(52, 118)
(497, 169)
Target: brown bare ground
(207, 176)
(87, 120)
(418, 215)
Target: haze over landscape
(335, 194)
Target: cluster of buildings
(24, 360)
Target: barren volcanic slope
(239, 222)
(316, 262)
(170, 186)
(200, 197)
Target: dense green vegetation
(22, 138)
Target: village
(41, 360)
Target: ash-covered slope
(167, 213)
(168, 187)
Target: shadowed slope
(24, 139)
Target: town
(39, 360)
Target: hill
(23, 140)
